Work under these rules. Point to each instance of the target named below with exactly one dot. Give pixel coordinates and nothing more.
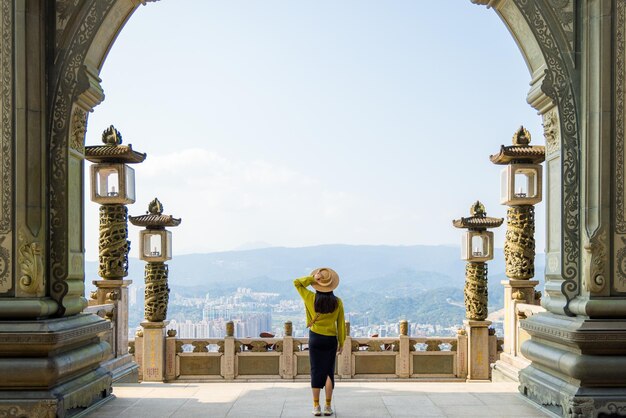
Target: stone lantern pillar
(521, 189)
(477, 249)
(113, 187)
(155, 247)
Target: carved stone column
(477, 248)
(155, 248)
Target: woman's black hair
(325, 302)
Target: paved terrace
(293, 399)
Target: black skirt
(322, 355)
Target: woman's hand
(317, 277)
(339, 349)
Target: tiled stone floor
(293, 399)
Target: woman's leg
(316, 394)
(329, 391)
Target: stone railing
(232, 358)
(522, 311)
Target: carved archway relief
(86, 31)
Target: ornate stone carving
(79, 127)
(620, 73)
(596, 252)
(551, 132)
(476, 295)
(171, 333)
(42, 409)
(578, 407)
(114, 244)
(156, 292)
(564, 11)
(6, 141)
(6, 122)
(72, 46)
(200, 347)
(6, 283)
(230, 328)
(519, 245)
(558, 85)
(616, 408)
(88, 394)
(620, 282)
(180, 344)
(404, 327)
(433, 345)
(31, 265)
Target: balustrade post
(170, 356)
(229, 362)
(287, 357)
(403, 360)
(345, 358)
(139, 353)
(461, 354)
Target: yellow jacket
(331, 324)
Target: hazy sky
(300, 123)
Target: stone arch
(86, 30)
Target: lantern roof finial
(111, 136)
(155, 207)
(521, 137)
(478, 209)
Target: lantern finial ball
(478, 209)
(155, 207)
(521, 137)
(112, 136)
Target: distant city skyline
(305, 123)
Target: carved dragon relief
(476, 296)
(79, 127)
(595, 260)
(551, 132)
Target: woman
(327, 331)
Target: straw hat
(329, 281)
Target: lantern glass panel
(112, 183)
(520, 184)
(107, 182)
(152, 245)
(477, 246)
(480, 245)
(155, 245)
(525, 183)
(130, 183)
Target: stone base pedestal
(478, 350)
(515, 290)
(153, 355)
(574, 372)
(53, 368)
